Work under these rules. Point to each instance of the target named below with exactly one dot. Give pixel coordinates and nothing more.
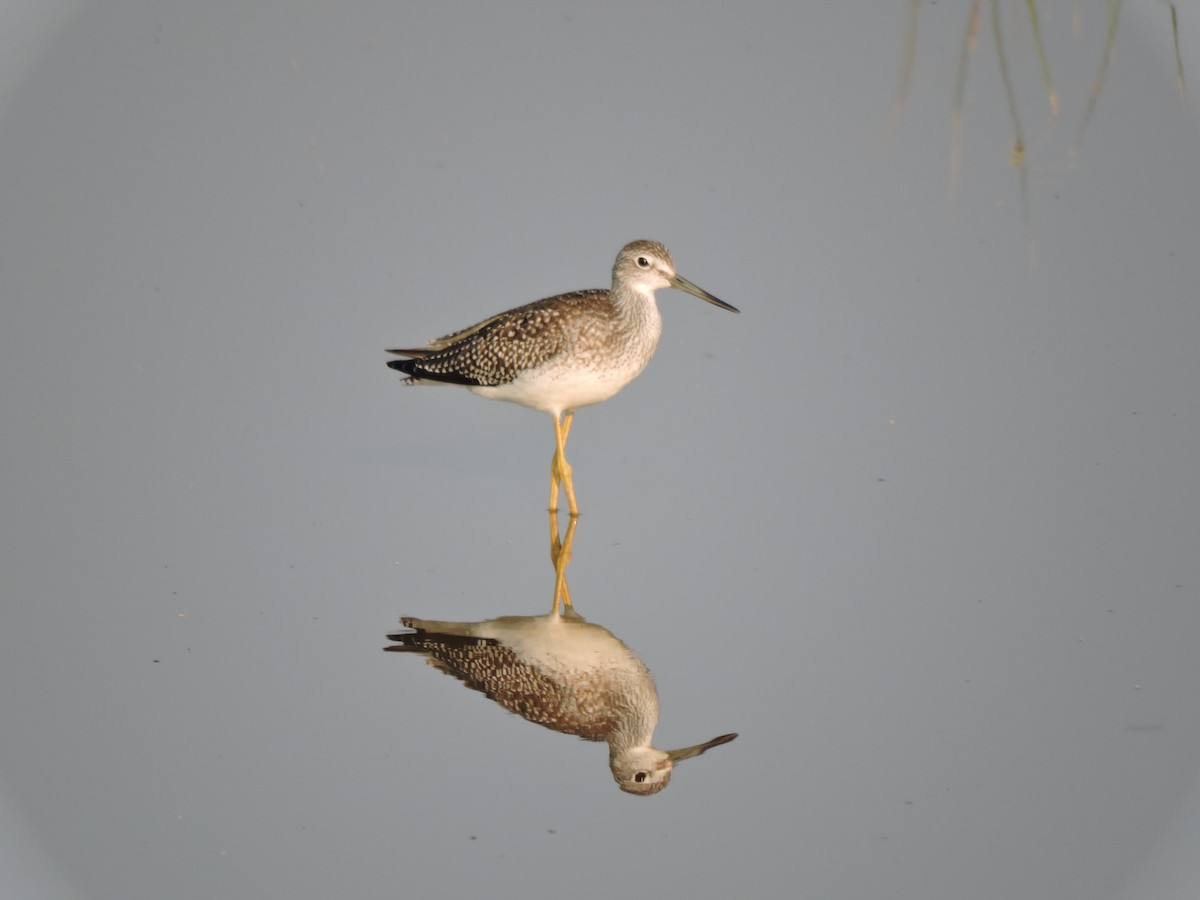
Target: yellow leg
(560, 469)
(560, 556)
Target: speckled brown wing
(487, 666)
(497, 350)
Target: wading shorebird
(561, 353)
(562, 672)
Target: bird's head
(647, 770)
(645, 266)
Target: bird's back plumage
(520, 681)
(497, 350)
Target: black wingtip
(414, 369)
(405, 642)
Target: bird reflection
(560, 671)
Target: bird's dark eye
(645, 264)
(641, 776)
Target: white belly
(595, 365)
(557, 390)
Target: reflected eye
(643, 262)
(641, 776)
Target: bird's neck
(639, 311)
(636, 728)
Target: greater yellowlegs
(561, 353)
(562, 672)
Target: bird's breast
(590, 369)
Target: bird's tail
(427, 633)
(419, 353)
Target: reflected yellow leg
(560, 469)
(560, 556)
